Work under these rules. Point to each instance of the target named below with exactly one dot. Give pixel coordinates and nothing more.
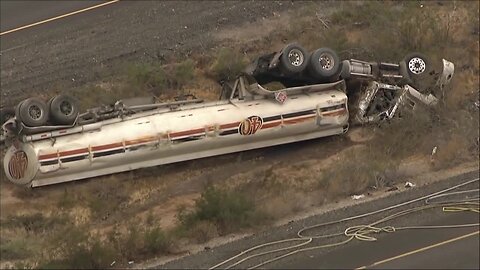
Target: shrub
(74, 247)
(227, 65)
(203, 231)
(97, 256)
(359, 14)
(156, 241)
(128, 245)
(365, 167)
(226, 209)
(67, 200)
(105, 200)
(451, 153)
(404, 135)
(14, 249)
(184, 73)
(36, 223)
(147, 75)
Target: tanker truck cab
(123, 138)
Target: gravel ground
(91, 46)
(212, 256)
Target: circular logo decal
(17, 165)
(250, 125)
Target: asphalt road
(460, 254)
(16, 14)
(403, 249)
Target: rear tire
(417, 69)
(63, 109)
(324, 64)
(293, 59)
(32, 112)
(417, 65)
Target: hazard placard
(281, 96)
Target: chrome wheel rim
(326, 61)
(416, 65)
(295, 57)
(66, 108)
(35, 112)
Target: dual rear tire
(322, 64)
(60, 110)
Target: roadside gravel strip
(89, 46)
(211, 257)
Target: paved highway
(16, 14)
(457, 253)
(408, 249)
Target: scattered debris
(281, 96)
(131, 262)
(409, 184)
(113, 263)
(392, 188)
(358, 197)
(434, 152)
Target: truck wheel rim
(66, 108)
(295, 57)
(326, 61)
(35, 112)
(416, 65)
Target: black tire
(32, 112)
(17, 111)
(417, 65)
(345, 71)
(6, 113)
(63, 110)
(417, 69)
(324, 64)
(293, 59)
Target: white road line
(57, 17)
(419, 250)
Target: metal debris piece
(409, 184)
(392, 188)
(358, 197)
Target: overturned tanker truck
(52, 142)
